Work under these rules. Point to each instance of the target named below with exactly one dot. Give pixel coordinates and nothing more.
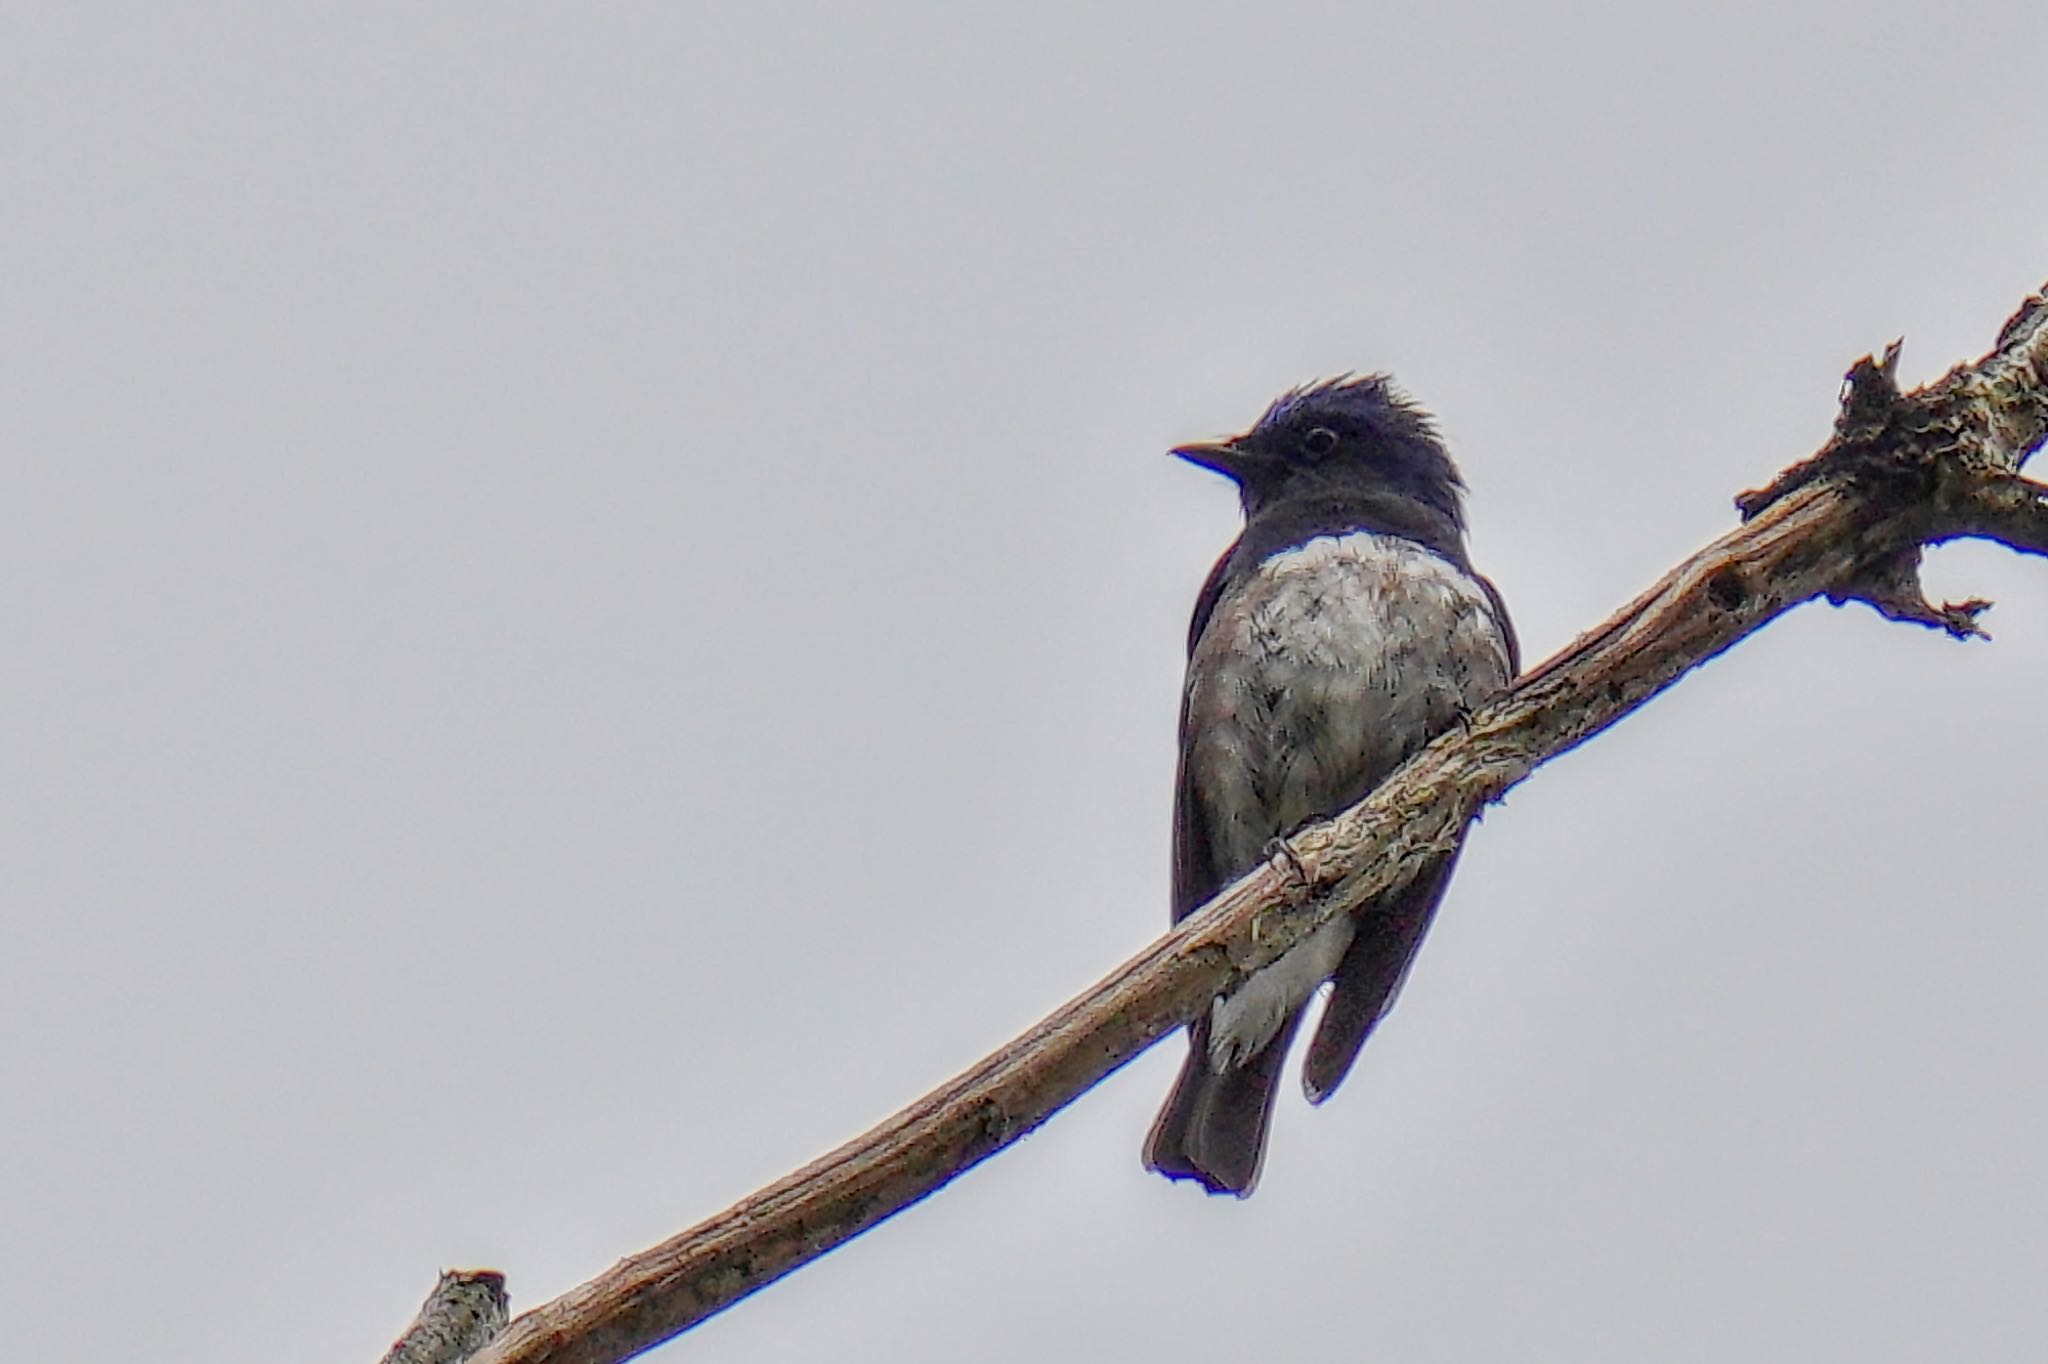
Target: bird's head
(1335, 440)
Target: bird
(1343, 629)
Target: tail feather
(1369, 979)
(1213, 1127)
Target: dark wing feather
(1196, 877)
(1507, 627)
(1205, 606)
(1369, 977)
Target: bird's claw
(1284, 857)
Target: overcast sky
(592, 601)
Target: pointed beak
(1225, 457)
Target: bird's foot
(1289, 863)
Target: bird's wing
(1196, 876)
(1369, 977)
(1507, 627)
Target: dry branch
(1902, 471)
(466, 1309)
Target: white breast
(1315, 678)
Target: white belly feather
(1316, 677)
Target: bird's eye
(1319, 442)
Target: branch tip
(1958, 620)
(2034, 309)
(467, 1308)
(1893, 590)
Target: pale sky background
(592, 601)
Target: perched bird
(1342, 631)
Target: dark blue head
(1337, 441)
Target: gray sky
(593, 602)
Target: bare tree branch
(1901, 471)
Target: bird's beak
(1225, 457)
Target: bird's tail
(1213, 1127)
